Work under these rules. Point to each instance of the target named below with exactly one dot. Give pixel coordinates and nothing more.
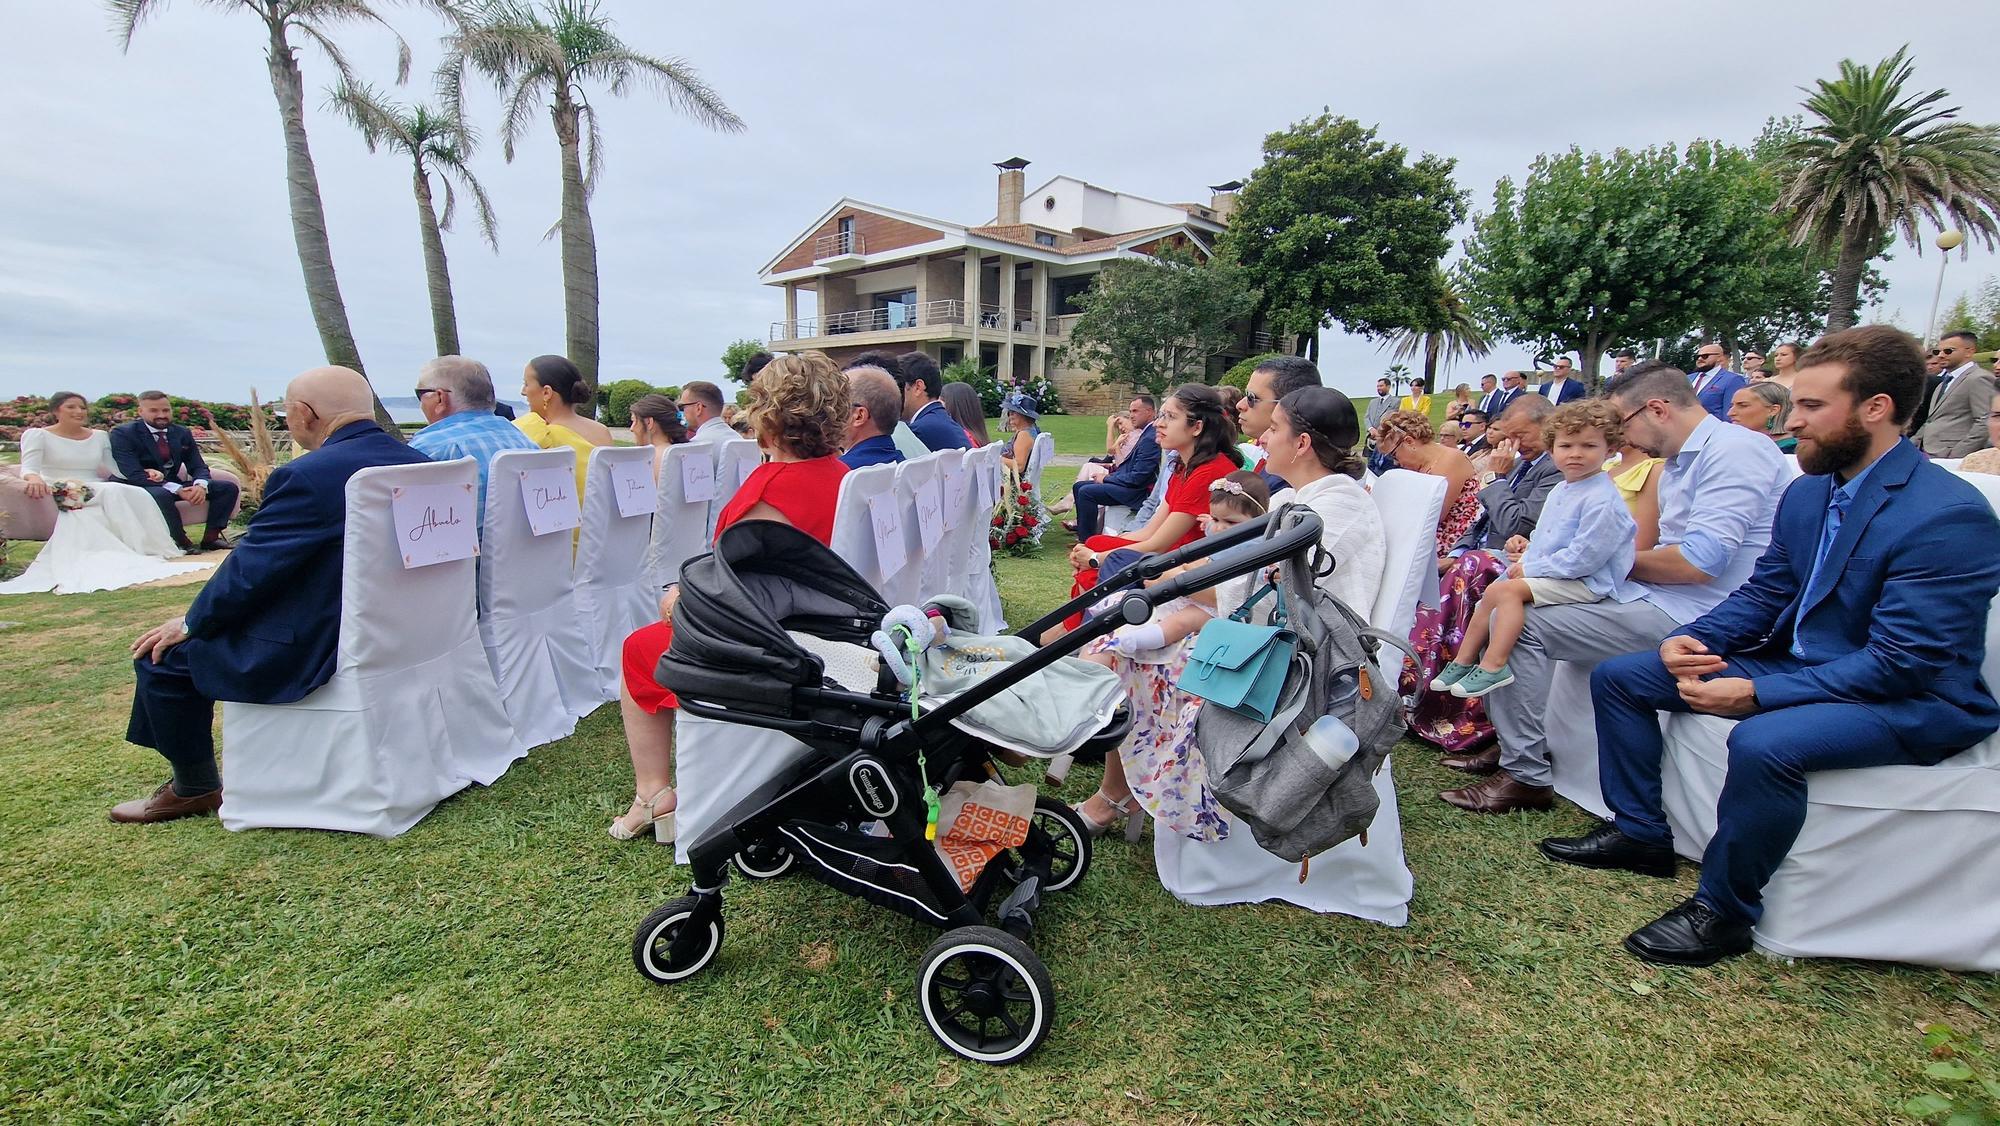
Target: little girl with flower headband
(1241, 496)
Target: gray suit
(1377, 407)
(1956, 425)
(1511, 505)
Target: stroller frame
(976, 976)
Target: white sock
(1141, 639)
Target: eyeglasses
(422, 391)
(1627, 420)
(1251, 399)
(1708, 355)
(682, 406)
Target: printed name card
(888, 526)
(549, 495)
(930, 514)
(697, 476)
(955, 488)
(632, 484)
(435, 523)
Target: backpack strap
(1281, 722)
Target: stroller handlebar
(1242, 550)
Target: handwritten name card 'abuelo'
(435, 523)
(632, 484)
(549, 495)
(886, 520)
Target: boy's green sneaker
(1479, 682)
(1450, 674)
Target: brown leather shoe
(1484, 762)
(1501, 794)
(165, 805)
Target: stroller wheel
(985, 995)
(652, 945)
(1069, 843)
(764, 861)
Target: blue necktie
(1836, 512)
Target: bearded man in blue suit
(266, 627)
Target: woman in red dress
(798, 412)
(1193, 424)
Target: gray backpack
(1265, 774)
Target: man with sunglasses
(1714, 384)
(1955, 425)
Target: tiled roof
(1024, 235)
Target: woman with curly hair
(1407, 436)
(798, 413)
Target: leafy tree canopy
(1338, 226)
(737, 354)
(1154, 322)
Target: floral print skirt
(1441, 718)
(1162, 765)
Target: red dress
(1187, 492)
(805, 491)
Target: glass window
(1043, 238)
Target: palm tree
(1451, 334)
(550, 53)
(1874, 162)
(314, 20)
(435, 141)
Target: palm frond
(379, 119)
(619, 66)
(450, 163)
(332, 52)
(593, 147)
(321, 16)
(450, 200)
(127, 15)
(521, 107)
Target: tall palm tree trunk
(309, 217)
(444, 317)
(579, 246)
(1433, 344)
(1845, 299)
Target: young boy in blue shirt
(1582, 551)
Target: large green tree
(1875, 162)
(1448, 330)
(1153, 323)
(737, 354)
(1592, 250)
(315, 21)
(547, 56)
(1337, 226)
(435, 143)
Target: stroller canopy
(730, 643)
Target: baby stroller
(983, 992)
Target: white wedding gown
(118, 539)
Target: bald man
(874, 406)
(264, 628)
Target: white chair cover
(410, 716)
(613, 596)
(973, 523)
(936, 573)
(1044, 451)
(734, 461)
(1894, 863)
(981, 590)
(528, 622)
(680, 528)
(853, 531)
(1369, 881)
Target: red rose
(999, 521)
(1029, 521)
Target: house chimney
(1013, 182)
(1222, 199)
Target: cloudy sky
(144, 238)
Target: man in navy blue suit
(265, 628)
(874, 405)
(922, 383)
(1714, 383)
(1129, 482)
(156, 455)
(1856, 642)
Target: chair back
(681, 527)
(535, 641)
(985, 477)
(393, 618)
(1039, 457)
(735, 460)
(612, 593)
(509, 549)
(1410, 504)
(941, 573)
(853, 527)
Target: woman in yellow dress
(1418, 399)
(554, 389)
(1638, 479)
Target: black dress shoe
(1607, 847)
(1693, 934)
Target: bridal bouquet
(71, 495)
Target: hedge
(33, 410)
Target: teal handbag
(1240, 666)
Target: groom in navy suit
(265, 627)
(1857, 642)
(162, 458)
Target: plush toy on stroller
(773, 631)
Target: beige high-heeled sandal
(662, 823)
(1096, 828)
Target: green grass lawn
(477, 968)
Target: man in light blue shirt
(1718, 493)
(456, 396)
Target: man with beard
(1851, 646)
(1714, 384)
(1718, 490)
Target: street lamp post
(1946, 242)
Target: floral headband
(1233, 488)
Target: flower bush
(1018, 520)
(111, 410)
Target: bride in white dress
(115, 540)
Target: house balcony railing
(992, 318)
(838, 245)
(995, 317)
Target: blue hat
(1024, 405)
